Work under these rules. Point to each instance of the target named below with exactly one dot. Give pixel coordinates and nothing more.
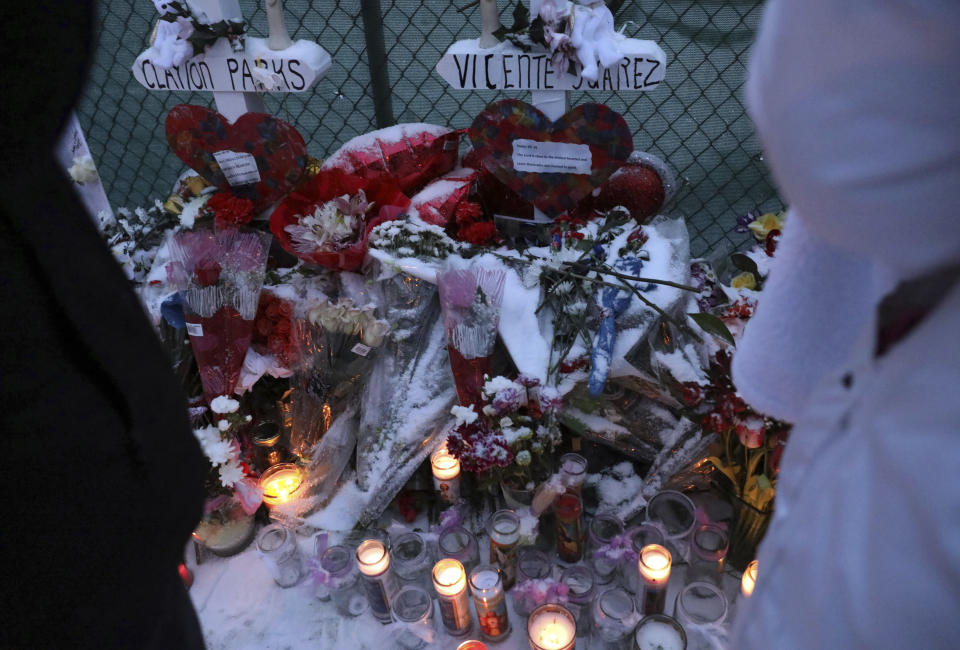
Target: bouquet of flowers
(219, 274)
(327, 220)
(470, 298)
(338, 341)
(510, 435)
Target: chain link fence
(695, 120)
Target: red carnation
(480, 233)
(229, 210)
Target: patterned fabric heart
(258, 157)
(594, 141)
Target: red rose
(229, 210)
(207, 272)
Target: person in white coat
(857, 337)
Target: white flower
(523, 458)
(464, 414)
(493, 386)
(191, 209)
(224, 404)
(218, 450)
(223, 425)
(230, 474)
(83, 170)
(505, 422)
(328, 223)
(374, 332)
(489, 410)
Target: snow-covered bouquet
(338, 342)
(327, 221)
(509, 437)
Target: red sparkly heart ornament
(274, 147)
(600, 128)
(636, 186)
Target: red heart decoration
(195, 134)
(500, 124)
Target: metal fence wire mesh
(695, 120)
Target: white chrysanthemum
(523, 458)
(224, 404)
(230, 474)
(464, 414)
(493, 386)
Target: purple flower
(744, 220)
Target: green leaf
(713, 325)
(744, 263)
(574, 424)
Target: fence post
(377, 60)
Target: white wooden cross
(486, 63)
(273, 64)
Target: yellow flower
(762, 226)
(745, 280)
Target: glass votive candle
(573, 471)
(708, 550)
(660, 632)
(551, 627)
(504, 531)
(411, 560)
(640, 536)
(701, 603)
(654, 568)
(379, 583)
(412, 607)
(446, 475)
(486, 585)
(675, 514)
(532, 564)
(450, 583)
(280, 483)
(461, 545)
(581, 585)
(278, 548)
(614, 617)
(749, 579)
(472, 644)
(267, 449)
(343, 581)
(603, 529)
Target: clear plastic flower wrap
(471, 298)
(412, 308)
(219, 274)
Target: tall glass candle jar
(749, 579)
(504, 531)
(278, 548)
(674, 513)
(701, 604)
(660, 632)
(603, 529)
(614, 618)
(412, 607)
(460, 544)
(654, 568)
(379, 583)
(708, 551)
(573, 471)
(568, 510)
(490, 602)
(343, 581)
(532, 564)
(446, 475)
(581, 589)
(640, 536)
(450, 583)
(551, 627)
(411, 560)
(267, 450)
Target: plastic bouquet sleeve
(471, 298)
(219, 274)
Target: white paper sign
(467, 66)
(239, 167)
(361, 349)
(194, 329)
(551, 157)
